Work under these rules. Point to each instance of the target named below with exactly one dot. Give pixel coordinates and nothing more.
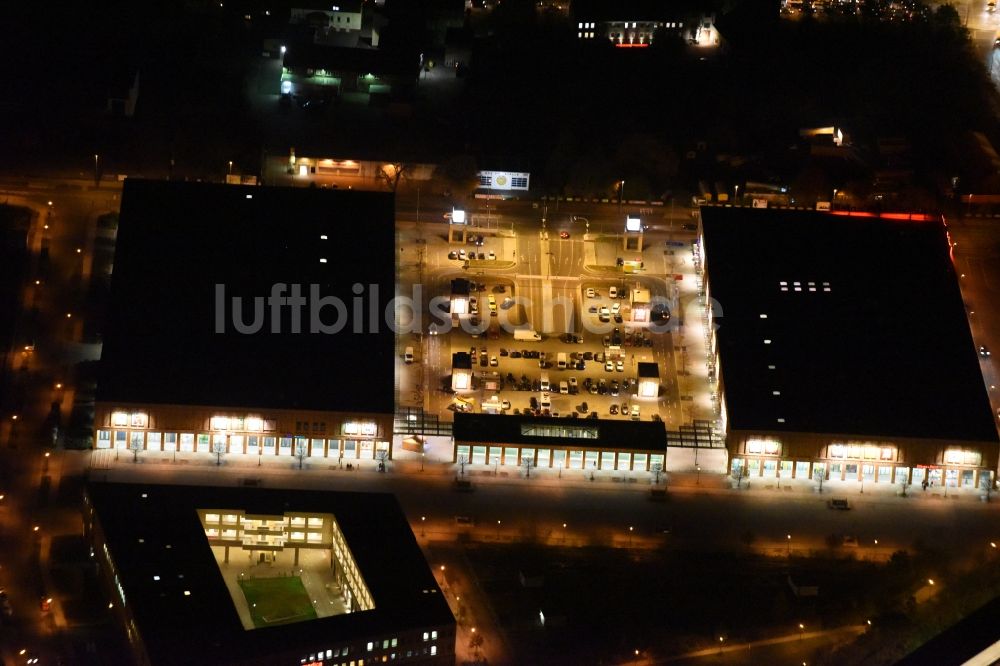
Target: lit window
(212, 517)
(426, 635)
(371, 645)
(434, 635)
(579, 26)
(119, 419)
(220, 423)
(434, 650)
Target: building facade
(283, 433)
(559, 443)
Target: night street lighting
(230, 167)
(788, 538)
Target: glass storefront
(559, 458)
(479, 455)
(639, 462)
(268, 447)
(590, 460)
(510, 456)
(187, 442)
(528, 454)
(607, 459)
(576, 459)
(802, 470)
(170, 441)
(544, 457)
(624, 461)
(104, 439)
(284, 446)
(885, 474)
(203, 443)
(153, 441)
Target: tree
(301, 451)
(135, 446)
(462, 462)
(382, 456)
(219, 449)
(657, 470)
(476, 642)
(819, 475)
(392, 173)
(527, 464)
(986, 484)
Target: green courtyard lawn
(274, 601)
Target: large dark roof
(204, 628)
(886, 351)
(176, 241)
(611, 434)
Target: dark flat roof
(205, 627)
(176, 241)
(886, 351)
(611, 434)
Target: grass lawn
(274, 601)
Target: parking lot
(589, 373)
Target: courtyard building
(203, 575)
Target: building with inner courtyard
(205, 575)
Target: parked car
(839, 504)
(620, 366)
(591, 292)
(609, 366)
(983, 351)
(613, 292)
(614, 410)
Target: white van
(546, 402)
(527, 335)
(564, 388)
(561, 361)
(544, 384)
(613, 292)
(408, 355)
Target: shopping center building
(841, 349)
(208, 575)
(248, 321)
(560, 443)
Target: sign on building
(504, 180)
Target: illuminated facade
(277, 433)
(176, 563)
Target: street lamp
(802, 629)
(698, 479)
(498, 530)
(737, 195)
(630, 536)
(230, 167)
(422, 457)
(621, 191)
(97, 177)
(423, 525)
(789, 545)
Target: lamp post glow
(230, 172)
(788, 541)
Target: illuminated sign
(360, 428)
(633, 223)
(504, 180)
